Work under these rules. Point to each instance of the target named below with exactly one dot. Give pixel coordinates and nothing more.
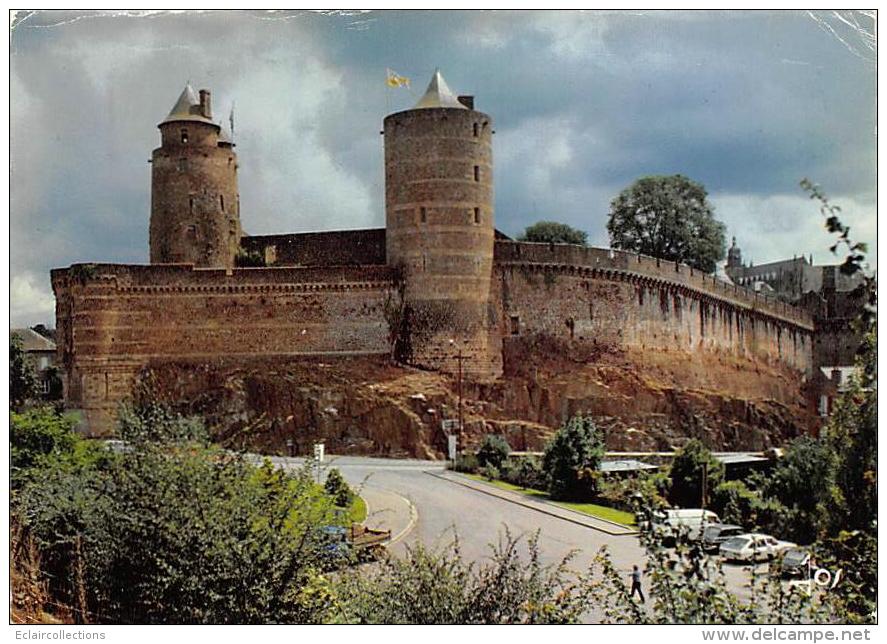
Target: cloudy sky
(583, 104)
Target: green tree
(851, 431)
(803, 482)
(179, 534)
(493, 451)
(336, 486)
(668, 217)
(552, 232)
(22, 375)
(690, 466)
(572, 458)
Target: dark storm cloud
(583, 104)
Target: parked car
(669, 523)
(754, 547)
(717, 533)
(796, 562)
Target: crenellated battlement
(642, 269)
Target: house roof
(33, 341)
(438, 94)
(626, 465)
(736, 458)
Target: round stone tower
(195, 205)
(439, 221)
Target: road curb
(623, 532)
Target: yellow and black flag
(395, 80)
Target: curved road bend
(442, 508)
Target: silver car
(754, 547)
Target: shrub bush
(490, 472)
(493, 451)
(466, 463)
(624, 493)
(338, 489)
(41, 437)
(735, 502)
(575, 447)
(526, 473)
(178, 533)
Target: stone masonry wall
(113, 319)
(332, 248)
(611, 299)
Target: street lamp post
(459, 388)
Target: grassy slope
(592, 509)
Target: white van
(669, 523)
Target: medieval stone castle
(437, 287)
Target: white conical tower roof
(187, 107)
(438, 94)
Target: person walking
(636, 583)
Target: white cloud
(782, 226)
(31, 300)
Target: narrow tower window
(477, 173)
(476, 130)
(191, 204)
(222, 202)
(515, 325)
(477, 215)
(184, 135)
(423, 214)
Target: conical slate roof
(187, 108)
(438, 94)
(224, 135)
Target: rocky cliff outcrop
(370, 406)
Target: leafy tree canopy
(688, 471)
(552, 232)
(576, 449)
(668, 217)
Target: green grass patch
(358, 512)
(591, 509)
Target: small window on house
(222, 202)
(476, 129)
(515, 325)
(477, 173)
(477, 215)
(423, 214)
(184, 136)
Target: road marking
(414, 517)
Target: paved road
(438, 509)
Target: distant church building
(829, 295)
